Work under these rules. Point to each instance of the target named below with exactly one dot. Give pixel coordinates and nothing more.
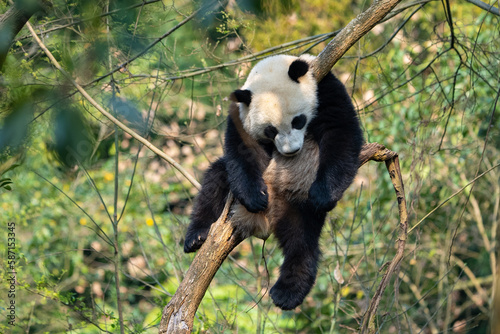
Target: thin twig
(45, 32)
(122, 126)
(453, 195)
(485, 6)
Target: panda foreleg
(208, 206)
(245, 162)
(298, 233)
(338, 166)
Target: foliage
(421, 90)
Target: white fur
(277, 99)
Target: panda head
(278, 100)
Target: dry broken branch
(394, 170)
(223, 237)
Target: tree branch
(356, 29)
(122, 126)
(394, 170)
(487, 7)
(224, 236)
(178, 315)
(13, 20)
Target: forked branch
(224, 236)
(394, 170)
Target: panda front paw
(255, 200)
(321, 198)
(195, 239)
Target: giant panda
(291, 150)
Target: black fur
(297, 69)
(270, 132)
(336, 128)
(298, 234)
(209, 205)
(244, 171)
(243, 96)
(337, 131)
(298, 122)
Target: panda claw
(257, 203)
(194, 240)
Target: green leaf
(5, 182)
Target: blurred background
(91, 204)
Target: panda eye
(270, 132)
(299, 121)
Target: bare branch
(122, 126)
(356, 29)
(394, 170)
(485, 6)
(178, 315)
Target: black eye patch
(270, 132)
(298, 122)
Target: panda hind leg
(208, 206)
(298, 233)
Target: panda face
(278, 101)
(289, 141)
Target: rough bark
(223, 237)
(179, 313)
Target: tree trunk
(12, 21)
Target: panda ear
(297, 69)
(243, 96)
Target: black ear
(297, 69)
(243, 96)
